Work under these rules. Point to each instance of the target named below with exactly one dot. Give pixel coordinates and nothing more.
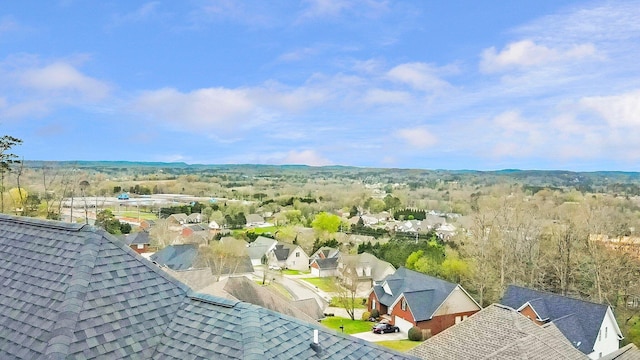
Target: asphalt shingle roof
(424, 293)
(497, 332)
(176, 257)
(578, 320)
(73, 291)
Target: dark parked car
(385, 328)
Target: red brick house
(140, 242)
(408, 298)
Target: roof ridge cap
(51, 224)
(252, 336)
(62, 333)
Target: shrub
(366, 315)
(375, 313)
(415, 334)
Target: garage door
(403, 324)
(315, 272)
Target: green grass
(134, 215)
(358, 305)
(350, 326)
(324, 284)
(262, 230)
(399, 345)
(291, 272)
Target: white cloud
(305, 157)
(223, 108)
(419, 76)
(298, 54)
(61, 76)
(200, 108)
(618, 110)
(418, 137)
(526, 54)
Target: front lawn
(350, 326)
(324, 284)
(399, 345)
(360, 303)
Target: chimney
(315, 345)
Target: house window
(458, 319)
(606, 330)
(297, 253)
(403, 305)
(140, 246)
(373, 304)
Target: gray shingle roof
(138, 238)
(424, 293)
(628, 352)
(259, 247)
(74, 291)
(578, 320)
(329, 263)
(177, 257)
(497, 332)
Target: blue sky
(484, 85)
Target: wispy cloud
(36, 89)
(8, 24)
(418, 137)
(525, 54)
(61, 76)
(420, 76)
(621, 110)
(305, 157)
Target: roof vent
(315, 345)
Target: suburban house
(139, 242)
(194, 218)
(146, 224)
(254, 220)
(324, 262)
(176, 257)
(409, 298)
(259, 249)
(185, 257)
(85, 294)
(200, 229)
(241, 288)
(590, 327)
(365, 269)
(288, 256)
(498, 332)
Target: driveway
(371, 337)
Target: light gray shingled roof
(498, 332)
(74, 291)
(423, 293)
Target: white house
(590, 327)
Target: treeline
(410, 214)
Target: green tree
(7, 160)
(326, 222)
(106, 220)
